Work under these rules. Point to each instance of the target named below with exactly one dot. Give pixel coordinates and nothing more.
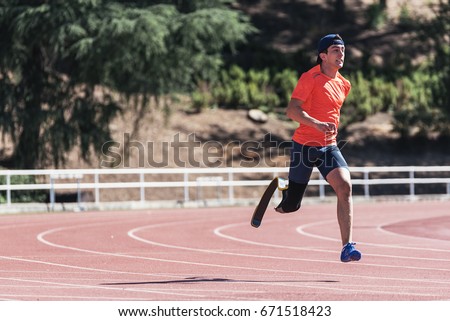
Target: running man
(315, 104)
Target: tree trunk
(27, 153)
(339, 12)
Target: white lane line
(41, 237)
(381, 228)
(80, 267)
(287, 284)
(301, 230)
(98, 287)
(230, 266)
(363, 290)
(153, 289)
(15, 297)
(219, 232)
(159, 275)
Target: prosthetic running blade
(261, 208)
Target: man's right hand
(327, 128)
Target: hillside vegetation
(80, 77)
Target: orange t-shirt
(322, 99)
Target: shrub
(22, 196)
(415, 112)
(284, 83)
(411, 97)
(368, 96)
(236, 88)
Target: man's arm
(295, 112)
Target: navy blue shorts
(304, 158)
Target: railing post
(366, 184)
(186, 187)
(8, 191)
(79, 194)
(97, 190)
(142, 189)
(411, 183)
(52, 193)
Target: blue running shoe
(349, 253)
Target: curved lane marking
(217, 231)
(301, 230)
(41, 238)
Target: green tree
(436, 31)
(61, 61)
(423, 105)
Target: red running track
(214, 254)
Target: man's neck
(329, 71)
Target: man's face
(334, 56)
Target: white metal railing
(189, 178)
